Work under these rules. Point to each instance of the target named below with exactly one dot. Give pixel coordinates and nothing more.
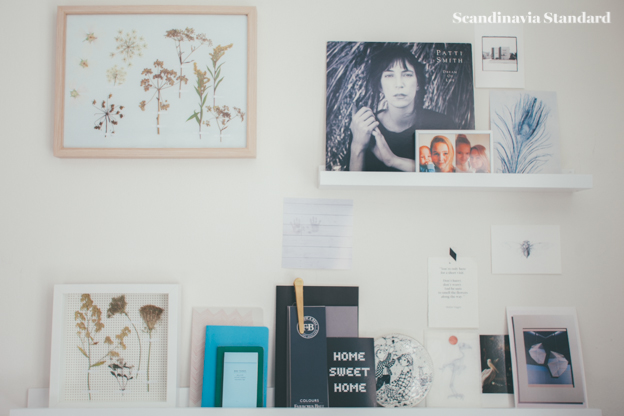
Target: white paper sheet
(526, 249)
(453, 293)
(317, 233)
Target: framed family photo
(155, 82)
(114, 346)
(454, 151)
(380, 93)
(546, 357)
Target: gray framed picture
(546, 357)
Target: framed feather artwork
(525, 130)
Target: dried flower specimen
(221, 114)
(195, 42)
(202, 92)
(90, 37)
(89, 323)
(84, 63)
(160, 80)
(107, 115)
(150, 314)
(129, 46)
(123, 372)
(116, 75)
(117, 306)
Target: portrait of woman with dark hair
(383, 140)
(379, 94)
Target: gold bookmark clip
(299, 298)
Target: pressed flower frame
(155, 82)
(114, 346)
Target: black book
(351, 372)
(313, 296)
(307, 360)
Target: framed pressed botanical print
(114, 346)
(155, 82)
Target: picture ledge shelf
(373, 411)
(565, 182)
(37, 403)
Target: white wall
(214, 226)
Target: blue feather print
(525, 142)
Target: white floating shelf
(454, 182)
(38, 402)
(272, 411)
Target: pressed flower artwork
(116, 347)
(183, 81)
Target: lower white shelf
(272, 411)
(457, 181)
(38, 398)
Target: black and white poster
(379, 94)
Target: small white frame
(424, 137)
(57, 370)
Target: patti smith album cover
(379, 94)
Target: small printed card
(453, 293)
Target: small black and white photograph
(496, 374)
(379, 94)
(499, 53)
(454, 151)
(499, 56)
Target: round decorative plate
(403, 369)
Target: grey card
(342, 321)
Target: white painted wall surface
(214, 226)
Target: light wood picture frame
(114, 345)
(155, 82)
